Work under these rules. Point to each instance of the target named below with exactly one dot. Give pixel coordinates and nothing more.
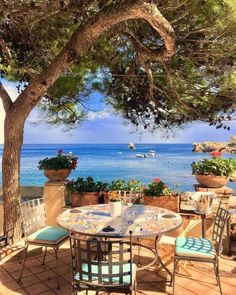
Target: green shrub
(214, 166)
(61, 161)
(82, 185)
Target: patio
(41, 279)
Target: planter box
(168, 202)
(84, 199)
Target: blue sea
(107, 162)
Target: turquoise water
(111, 161)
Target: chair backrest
(33, 215)
(101, 261)
(131, 197)
(218, 228)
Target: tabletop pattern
(141, 220)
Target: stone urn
(59, 174)
(168, 202)
(84, 199)
(212, 181)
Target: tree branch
(6, 51)
(85, 36)
(6, 99)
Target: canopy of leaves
(198, 83)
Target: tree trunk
(13, 139)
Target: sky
(105, 126)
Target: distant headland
(211, 146)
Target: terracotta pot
(168, 202)
(84, 199)
(60, 174)
(212, 181)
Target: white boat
(151, 153)
(141, 156)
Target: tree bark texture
(13, 133)
(81, 40)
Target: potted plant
(159, 194)
(85, 191)
(214, 172)
(58, 167)
(117, 185)
(115, 204)
(134, 185)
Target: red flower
(216, 154)
(157, 180)
(74, 163)
(59, 152)
(166, 186)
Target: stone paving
(41, 279)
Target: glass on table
(129, 215)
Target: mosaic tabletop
(141, 220)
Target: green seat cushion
(194, 247)
(48, 235)
(105, 270)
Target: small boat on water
(152, 153)
(141, 156)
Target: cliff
(208, 146)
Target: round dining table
(143, 221)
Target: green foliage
(214, 166)
(61, 161)
(134, 185)
(82, 185)
(198, 83)
(117, 185)
(157, 189)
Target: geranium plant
(117, 185)
(158, 188)
(134, 185)
(60, 161)
(215, 166)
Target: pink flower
(166, 186)
(59, 152)
(216, 154)
(157, 180)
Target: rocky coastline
(209, 146)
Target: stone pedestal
(223, 193)
(54, 199)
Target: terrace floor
(41, 279)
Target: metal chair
(102, 264)
(36, 231)
(203, 250)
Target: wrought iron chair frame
(218, 229)
(36, 214)
(99, 251)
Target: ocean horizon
(109, 161)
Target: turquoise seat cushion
(48, 235)
(194, 247)
(105, 270)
